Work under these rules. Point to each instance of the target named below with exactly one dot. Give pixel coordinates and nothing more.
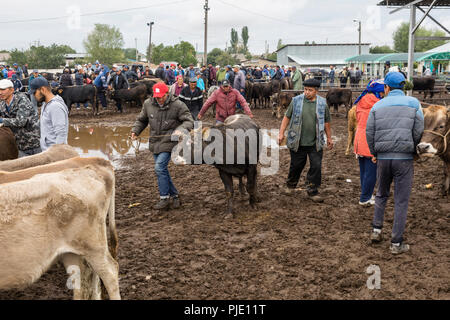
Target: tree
(221, 58)
(280, 44)
(234, 41)
(41, 57)
(104, 44)
(401, 38)
(183, 53)
(381, 49)
(244, 35)
(129, 53)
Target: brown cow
(436, 139)
(8, 146)
(55, 153)
(352, 124)
(283, 101)
(73, 205)
(336, 97)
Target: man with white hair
(18, 114)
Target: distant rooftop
(322, 44)
(399, 3)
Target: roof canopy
(399, 57)
(399, 3)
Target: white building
(318, 55)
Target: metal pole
(412, 24)
(150, 43)
(135, 39)
(359, 29)
(205, 54)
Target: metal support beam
(432, 38)
(405, 6)
(424, 16)
(412, 23)
(437, 22)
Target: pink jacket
(225, 104)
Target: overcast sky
(294, 21)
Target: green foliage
(41, 57)
(105, 44)
(183, 53)
(381, 49)
(245, 37)
(401, 37)
(221, 58)
(129, 53)
(280, 44)
(272, 56)
(234, 41)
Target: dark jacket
(212, 74)
(131, 75)
(160, 73)
(66, 80)
(79, 79)
(163, 121)
(22, 118)
(192, 99)
(395, 126)
(120, 83)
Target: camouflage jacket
(23, 120)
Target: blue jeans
(238, 105)
(368, 177)
(165, 184)
(85, 105)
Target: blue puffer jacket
(395, 127)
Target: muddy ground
(289, 248)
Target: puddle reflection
(110, 143)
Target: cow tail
(113, 238)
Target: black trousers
(298, 162)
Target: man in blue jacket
(394, 129)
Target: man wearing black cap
(307, 120)
(192, 97)
(54, 114)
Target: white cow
(59, 215)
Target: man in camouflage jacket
(18, 114)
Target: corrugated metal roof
(399, 57)
(322, 45)
(443, 48)
(399, 3)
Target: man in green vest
(307, 120)
(297, 79)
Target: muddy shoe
(316, 198)
(375, 236)
(163, 204)
(176, 202)
(398, 248)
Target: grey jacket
(54, 123)
(239, 81)
(395, 126)
(163, 121)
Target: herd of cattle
(56, 206)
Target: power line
(273, 18)
(95, 13)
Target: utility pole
(135, 40)
(150, 43)
(205, 54)
(359, 30)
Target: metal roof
(399, 57)
(316, 62)
(399, 3)
(322, 44)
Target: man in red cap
(166, 115)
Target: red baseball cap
(159, 90)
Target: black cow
(248, 148)
(283, 101)
(425, 84)
(257, 94)
(249, 92)
(79, 94)
(336, 97)
(148, 84)
(137, 94)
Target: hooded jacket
(163, 121)
(225, 104)
(54, 123)
(362, 114)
